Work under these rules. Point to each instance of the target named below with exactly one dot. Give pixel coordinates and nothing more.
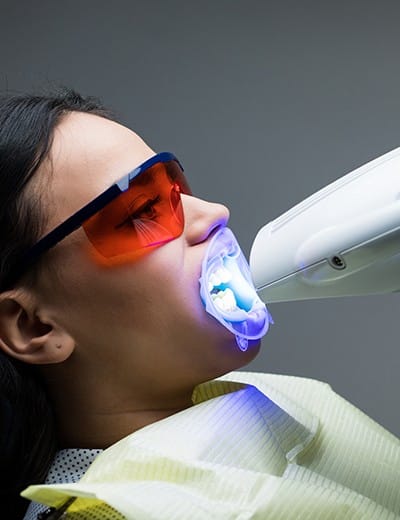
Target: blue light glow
(227, 290)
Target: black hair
(27, 428)
(27, 438)
(27, 123)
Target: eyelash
(148, 205)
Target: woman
(104, 315)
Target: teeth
(225, 300)
(220, 276)
(214, 279)
(224, 275)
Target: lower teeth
(225, 300)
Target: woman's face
(143, 319)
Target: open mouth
(227, 290)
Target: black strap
(53, 513)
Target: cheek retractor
(227, 290)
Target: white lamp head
(343, 240)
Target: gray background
(264, 102)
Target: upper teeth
(221, 275)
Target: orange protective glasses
(140, 212)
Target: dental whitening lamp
(343, 240)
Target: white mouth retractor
(227, 290)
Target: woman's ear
(27, 333)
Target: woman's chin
(254, 346)
(240, 358)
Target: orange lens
(148, 214)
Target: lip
(247, 316)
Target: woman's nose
(201, 218)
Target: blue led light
(227, 290)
